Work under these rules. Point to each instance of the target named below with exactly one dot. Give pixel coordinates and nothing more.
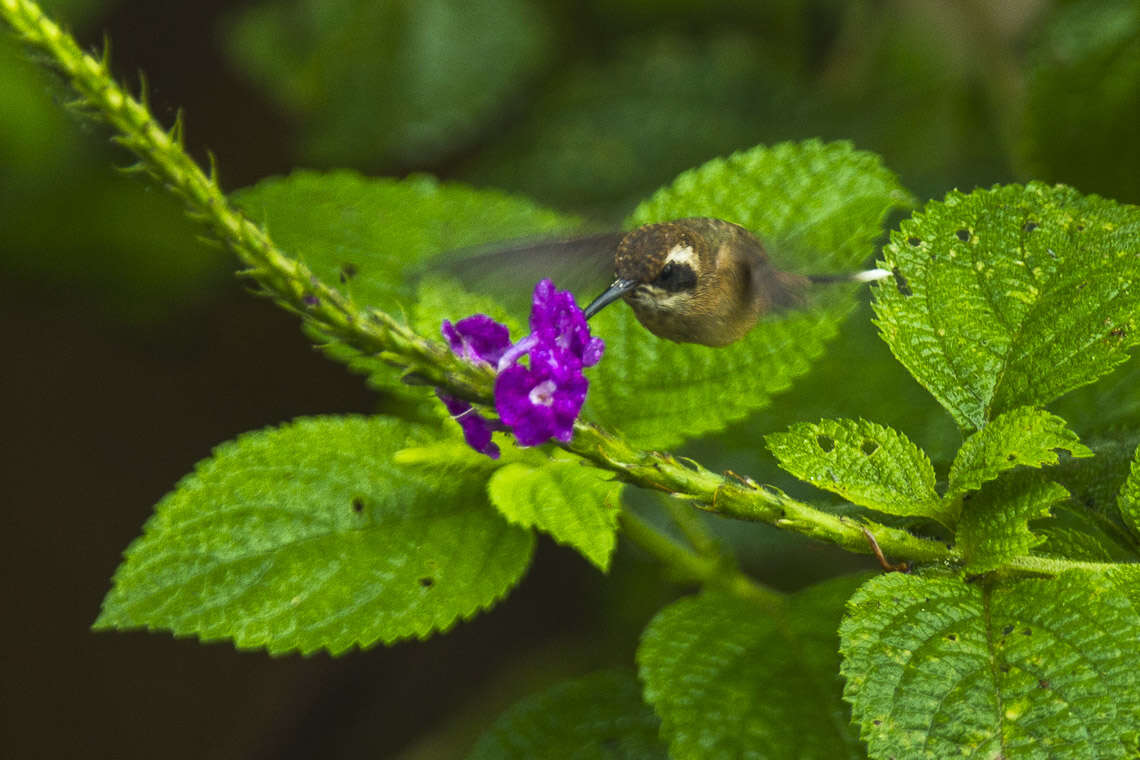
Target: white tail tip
(871, 275)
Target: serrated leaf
(1020, 437)
(995, 521)
(819, 207)
(308, 537)
(1095, 484)
(1129, 499)
(439, 298)
(1011, 296)
(577, 505)
(1076, 533)
(1105, 407)
(391, 80)
(598, 716)
(733, 679)
(1082, 97)
(371, 237)
(937, 667)
(867, 464)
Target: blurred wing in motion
(509, 271)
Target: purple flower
(477, 338)
(542, 401)
(476, 428)
(536, 402)
(556, 320)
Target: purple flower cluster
(538, 401)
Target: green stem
(1051, 566)
(688, 565)
(689, 523)
(746, 500)
(287, 280)
(375, 333)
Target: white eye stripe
(682, 255)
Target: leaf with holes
(1012, 296)
(1020, 437)
(307, 537)
(597, 716)
(937, 667)
(867, 464)
(731, 678)
(577, 505)
(371, 237)
(995, 520)
(818, 207)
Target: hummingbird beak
(618, 289)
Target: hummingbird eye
(675, 277)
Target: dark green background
(131, 350)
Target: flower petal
(477, 338)
(476, 428)
(556, 321)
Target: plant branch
(1050, 566)
(286, 280)
(292, 285)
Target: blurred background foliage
(135, 350)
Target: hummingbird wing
(774, 289)
(508, 271)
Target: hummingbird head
(657, 266)
(688, 280)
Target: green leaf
(372, 236)
(819, 206)
(452, 455)
(995, 521)
(1126, 579)
(732, 679)
(1011, 296)
(439, 297)
(1076, 533)
(1095, 483)
(937, 667)
(865, 463)
(598, 716)
(391, 80)
(1023, 436)
(1129, 499)
(307, 537)
(577, 505)
(1083, 98)
(1106, 406)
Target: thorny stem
(285, 279)
(293, 286)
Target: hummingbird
(695, 280)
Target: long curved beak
(615, 291)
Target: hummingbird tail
(867, 275)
